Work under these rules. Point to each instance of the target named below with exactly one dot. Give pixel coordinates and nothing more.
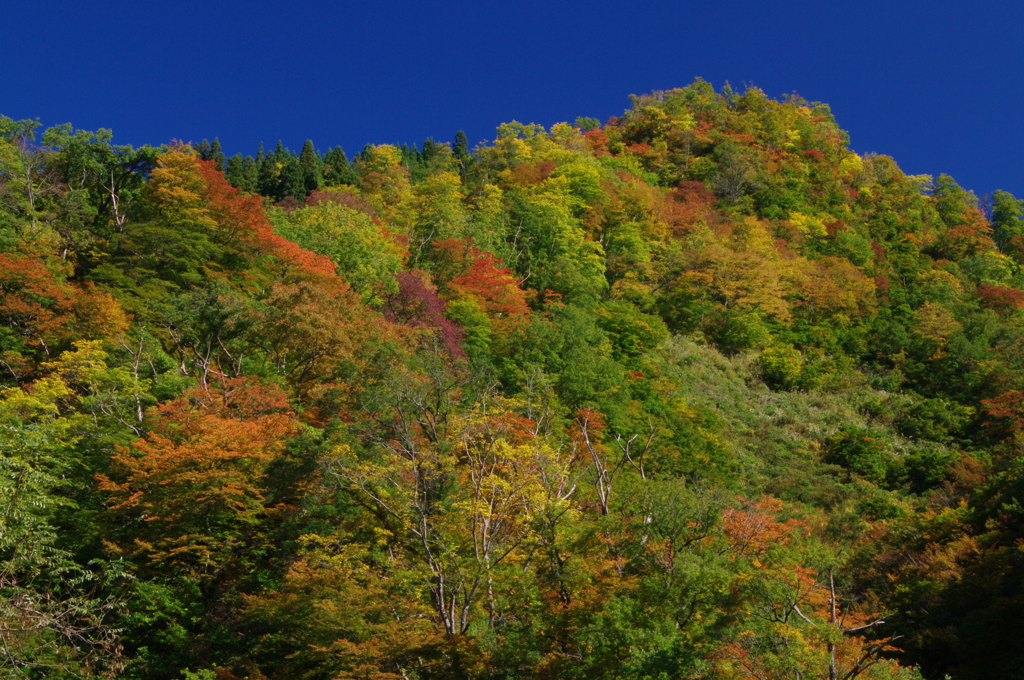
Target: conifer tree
(291, 181)
(241, 172)
(461, 151)
(217, 154)
(312, 167)
(337, 169)
(233, 171)
(250, 174)
(429, 150)
(269, 169)
(204, 148)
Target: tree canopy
(696, 392)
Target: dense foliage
(696, 393)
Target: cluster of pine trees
(696, 393)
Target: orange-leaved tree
(41, 316)
(241, 217)
(793, 620)
(202, 227)
(190, 495)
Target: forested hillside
(696, 393)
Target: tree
(55, 614)
(109, 179)
(418, 305)
(366, 256)
(460, 150)
(312, 167)
(440, 212)
(473, 273)
(337, 169)
(489, 464)
(291, 182)
(341, 612)
(23, 182)
(551, 250)
(795, 622)
(1008, 224)
(269, 170)
(212, 152)
(967, 231)
(191, 493)
(40, 316)
(315, 334)
(386, 182)
(233, 171)
(242, 173)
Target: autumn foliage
(696, 393)
(195, 483)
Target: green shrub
(933, 419)
(782, 367)
(862, 451)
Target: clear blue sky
(938, 85)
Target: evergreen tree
(250, 174)
(412, 159)
(217, 154)
(461, 149)
(204, 149)
(337, 169)
(430, 149)
(266, 181)
(291, 181)
(312, 167)
(241, 172)
(461, 152)
(234, 170)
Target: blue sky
(937, 85)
